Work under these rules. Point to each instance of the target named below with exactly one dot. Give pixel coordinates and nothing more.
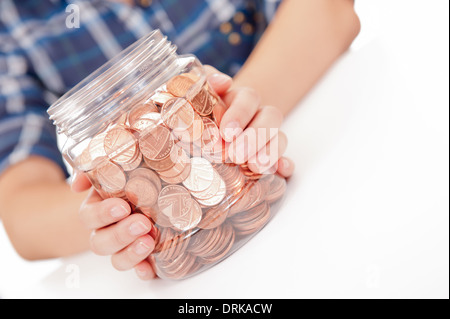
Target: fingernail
(263, 160)
(141, 248)
(219, 78)
(118, 211)
(231, 130)
(138, 228)
(141, 273)
(285, 163)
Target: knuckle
(118, 236)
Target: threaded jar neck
(111, 90)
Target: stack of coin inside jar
(166, 158)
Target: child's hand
(251, 129)
(115, 232)
(126, 237)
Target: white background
(367, 212)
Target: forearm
(41, 215)
(301, 43)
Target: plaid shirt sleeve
(39, 54)
(25, 129)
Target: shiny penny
(111, 177)
(201, 175)
(146, 122)
(148, 174)
(162, 97)
(179, 178)
(211, 134)
(179, 85)
(202, 103)
(141, 192)
(133, 164)
(214, 217)
(189, 220)
(217, 198)
(181, 161)
(174, 201)
(211, 190)
(137, 112)
(178, 114)
(120, 145)
(156, 143)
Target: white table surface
(367, 212)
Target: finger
(242, 109)
(80, 182)
(110, 240)
(219, 82)
(266, 160)
(286, 167)
(132, 255)
(261, 130)
(97, 213)
(144, 270)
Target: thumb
(80, 182)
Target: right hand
(115, 231)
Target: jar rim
(90, 104)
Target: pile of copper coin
(166, 158)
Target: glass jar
(144, 128)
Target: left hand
(252, 130)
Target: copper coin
(219, 108)
(203, 241)
(141, 192)
(189, 220)
(217, 198)
(166, 163)
(218, 153)
(210, 136)
(179, 85)
(135, 163)
(146, 122)
(148, 174)
(223, 249)
(174, 201)
(202, 103)
(161, 97)
(157, 217)
(176, 268)
(214, 217)
(252, 221)
(162, 248)
(179, 178)
(97, 148)
(156, 143)
(120, 145)
(201, 175)
(83, 162)
(181, 161)
(193, 133)
(177, 114)
(191, 149)
(211, 190)
(111, 177)
(138, 111)
(194, 269)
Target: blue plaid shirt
(44, 53)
